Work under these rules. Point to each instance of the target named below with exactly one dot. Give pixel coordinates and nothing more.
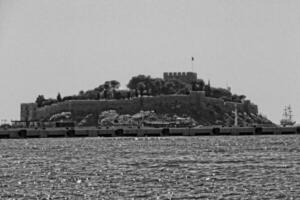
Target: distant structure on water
(287, 119)
(206, 108)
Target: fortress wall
(195, 105)
(28, 111)
(47, 111)
(219, 102)
(159, 104)
(82, 108)
(247, 106)
(165, 104)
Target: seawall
(203, 109)
(143, 132)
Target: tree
(58, 98)
(107, 88)
(207, 89)
(134, 81)
(198, 85)
(114, 87)
(91, 94)
(180, 86)
(141, 87)
(107, 85)
(100, 88)
(115, 84)
(128, 95)
(194, 87)
(67, 98)
(117, 95)
(236, 98)
(169, 88)
(156, 86)
(81, 93)
(40, 100)
(175, 87)
(185, 91)
(98, 97)
(220, 92)
(242, 97)
(105, 94)
(48, 102)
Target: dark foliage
(144, 85)
(58, 98)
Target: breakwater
(142, 132)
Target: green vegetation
(143, 85)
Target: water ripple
(261, 167)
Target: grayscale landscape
(149, 99)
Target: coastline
(18, 133)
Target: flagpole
(192, 61)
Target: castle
(206, 110)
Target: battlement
(187, 77)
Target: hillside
(178, 94)
(205, 110)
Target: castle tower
(187, 77)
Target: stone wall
(196, 105)
(28, 111)
(187, 77)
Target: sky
(51, 46)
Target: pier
(17, 133)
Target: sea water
(212, 167)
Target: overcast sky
(51, 46)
